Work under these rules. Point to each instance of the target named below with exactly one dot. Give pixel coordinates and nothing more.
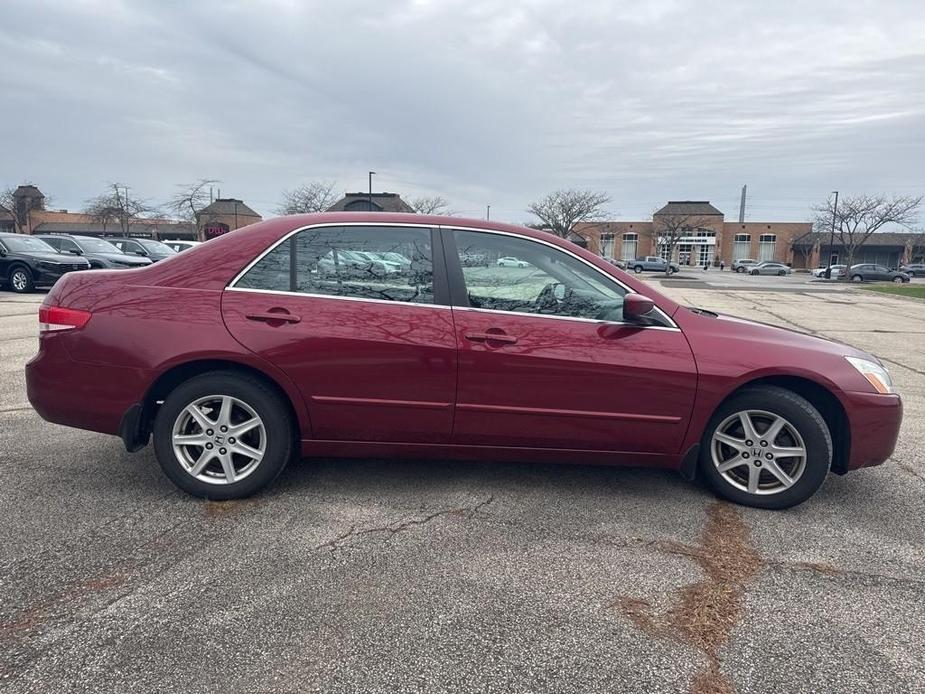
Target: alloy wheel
(19, 280)
(219, 439)
(758, 452)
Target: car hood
(123, 258)
(56, 258)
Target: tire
(857, 278)
(754, 273)
(637, 269)
(782, 273)
(898, 280)
(20, 279)
(807, 472)
(740, 270)
(250, 397)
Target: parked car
(913, 269)
(180, 245)
(27, 262)
(651, 263)
(616, 262)
(769, 267)
(350, 263)
(144, 248)
(444, 363)
(100, 254)
(837, 271)
(511, 262)
(869, 272)
(743, 264)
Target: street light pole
(370, 199)
(488, 213)
(828, 268)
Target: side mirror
(2, 252)
(635, 306)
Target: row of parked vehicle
(27, 262)
(871, 272)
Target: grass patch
(916, 291)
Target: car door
(545, 359)
(882, 273)
(373, 352)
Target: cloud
(483, 102)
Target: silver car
(769, 267)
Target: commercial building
(707, 238)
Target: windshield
(156, 247)
(26, 244)
(96, 246)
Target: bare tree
(115, 206)
(318, 196)
(917, 246)
(561, 210)
(669, 229)
(859, 216)
(191, 199)
(434, 204)
(8, 207)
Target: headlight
(48, 265)
(875, 374)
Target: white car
(837, 271)
(181, 245)
(512, 262)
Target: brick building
(710, 239)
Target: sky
(484, 102)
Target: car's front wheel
(223, 435)
(857, 278)
(21, 280)
(898, 280)
(766, 447)
(637, 269)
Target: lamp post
(370, 199)
(828, 269)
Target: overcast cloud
(483, 102)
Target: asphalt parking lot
(370, 576)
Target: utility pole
(742, 205)
(488, 213)
(828, 268)
(370, 199)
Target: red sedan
(392, 335)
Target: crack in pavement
(395, 528)
(705, 612)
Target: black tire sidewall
(799, 412)
(262, 398)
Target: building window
(766, 244)
(607, 245)
(630, 244)
(742, 246)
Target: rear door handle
(271, 316)
(491, 337)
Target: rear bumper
(874, 422)
(78, 394)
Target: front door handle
(491, 337)
(271, 316)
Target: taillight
(54, 318)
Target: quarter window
(385, 263)
(524, 276)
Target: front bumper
(874, 421)
(47, 275)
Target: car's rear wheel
(223, 435)
(21, 279)
(766, 447)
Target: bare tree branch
(561, 210)
(859, 216)
(191, 198)
(115, 205)
(434, 204)
(669, 229)
(318, 196)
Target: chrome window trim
(671, 324)
(281, 292)
(451, 227)
(568, 318)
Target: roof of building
(96, 229)
(700, 208)
(28, 190)
(385, 202)
(230, 207)
(879, 238)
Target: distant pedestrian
(722, 265)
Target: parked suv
(651, 263)
(180, 245)
(144, 248)
(868, 272)
(913, 269)
(101, 254)
(743, 264)
(27, 262)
